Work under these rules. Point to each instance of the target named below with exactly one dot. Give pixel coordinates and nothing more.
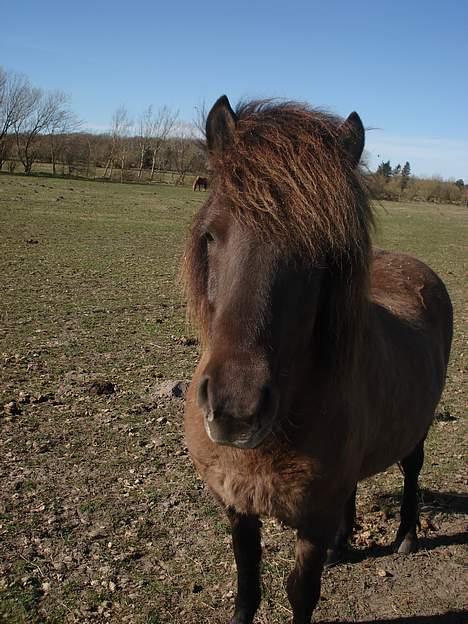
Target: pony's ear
(351, 136)
(220, 125)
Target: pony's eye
(209, 237)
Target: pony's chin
(245, 441)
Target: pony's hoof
(242, 616)
(335, 556)
(408, 545)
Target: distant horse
(323, 359)
(200, 183)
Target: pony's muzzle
(240, 415)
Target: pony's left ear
(352, 136)
(220, 125)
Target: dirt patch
(98, 388)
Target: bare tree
(121, 126)
(63, 123)
(161, 128)
(125, 126)
(201, 114)
(91, 142)
(145, 133)
(78, 152)
(14, 91)
(183, 150)
(3, 79)
(3, 82)
(39, 111)
(109, 168)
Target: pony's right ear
(220, 125)
(352, 137)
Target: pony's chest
(256, 492)
(261, 487)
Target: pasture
(102, 518)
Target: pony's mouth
(250, 438)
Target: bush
(417, 189)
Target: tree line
(397, 183)
(39, 129)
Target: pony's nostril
(203, 392)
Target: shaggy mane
(286, 173)
(286, 176)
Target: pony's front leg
(247, 552)
(337, 551)
(303, 585)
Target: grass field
(102, 518)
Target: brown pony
(323, 359)
(200, 183)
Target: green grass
(104, 270)
(99, 500)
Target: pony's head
(276, 261)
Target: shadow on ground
(425, 543)
(431, 501)
(452, 617)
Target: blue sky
(401, 65)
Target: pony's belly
(393, 447)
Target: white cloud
(428, 156)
